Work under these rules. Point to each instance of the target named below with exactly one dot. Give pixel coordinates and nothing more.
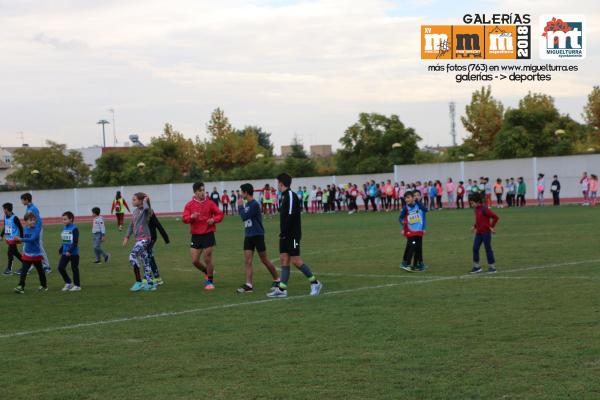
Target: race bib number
(554, 188)
(248, 223)
(414, 218)
(8, 230)
(67, 237)
(118, 208)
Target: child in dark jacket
(69, 252)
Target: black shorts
(203, 241)
(289, 246)
(255, 243)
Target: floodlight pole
(103, 122)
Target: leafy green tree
(109, 169)
(530, 129)
(178, 151)
(591, 112)
(56, 167)
(226, 149)
(375, 143)
(298, 163)
(483, 120)
(263, 138)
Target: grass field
(532, 331)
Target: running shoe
(75, 289)
(137, 286)
(315, 288)
(245, 289)
(476, 270)
(20, 289)
(67, 287)
(277, 293)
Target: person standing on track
(118, 207)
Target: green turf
(524, 333)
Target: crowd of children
(202, 213)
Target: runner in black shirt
(289, 239)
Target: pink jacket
(450, 187)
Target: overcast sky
(291, 67)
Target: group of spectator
(387, 196)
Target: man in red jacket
(485, 223)
(202, 215)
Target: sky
(295, 68)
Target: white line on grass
(191, 269)
(248, 303)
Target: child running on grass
(32, 253)
(69, 252)
(12, 229)
(98, 236)
(485, 222)
(413, 221)
(140, 229)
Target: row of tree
(373, 144)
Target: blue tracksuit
(252, 217)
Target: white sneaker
(315, 288)
(75, 289)
(67, 287)
(277, 293)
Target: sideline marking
(249, 303)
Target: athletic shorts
(289, 246)
(203, 241)
(255, 243)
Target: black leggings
(414, 247)
(25, 270)
(460, 202)
(372, 200)
(13, 252)
(62, 268)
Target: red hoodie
(205, 209)
(485, 219)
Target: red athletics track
(89, 218)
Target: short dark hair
(26, 197)
(475, 198)
(248, 188)
(69, 215)
(96, 210)
(29, 216)
(416, 191)
(408, 194)
(285, 179)
(197, 186)
(7, 206)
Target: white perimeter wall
(172, 198)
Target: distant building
(321, 150)
(286, 151)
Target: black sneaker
(476, 270)
(7, 272)
(97, 262)
(245, 289)
(107, 258)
